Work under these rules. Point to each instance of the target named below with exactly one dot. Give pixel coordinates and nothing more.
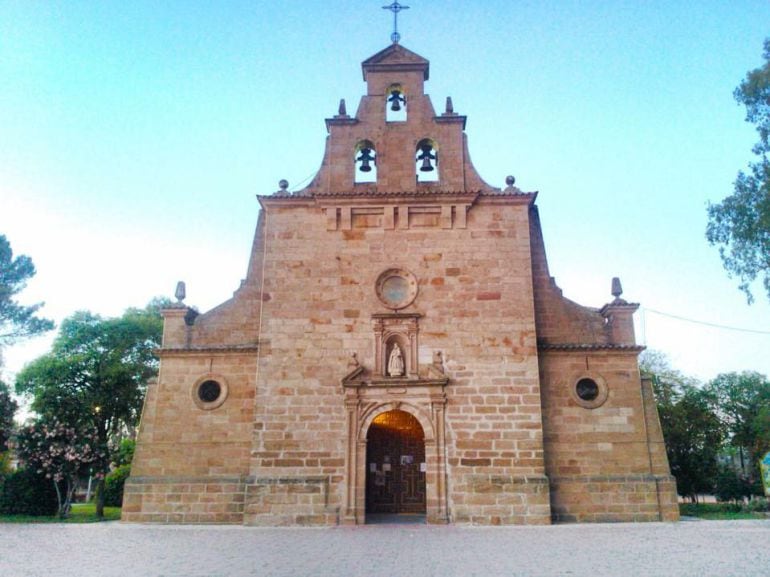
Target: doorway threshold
(395, 519)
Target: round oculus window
(587, 389)
(396, 288)
(590, 391)
(209, 391)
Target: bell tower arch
(398, 116)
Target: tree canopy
(742, 402)
(704, 425)
(692, 431)
(96, 373)
(740, 224)
(7, 410)
(17, 321)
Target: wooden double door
(395, 464)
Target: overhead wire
(705, 323)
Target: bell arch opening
(395, 104)
(426, 161)
(365, 159)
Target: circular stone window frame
(223, 392)
(601, 397)
(396, 272)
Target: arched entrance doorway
(395, 471)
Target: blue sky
(135, 135)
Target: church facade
(399, 347)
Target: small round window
(209, 392)
(396, 288)
(589, 391)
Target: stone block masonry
(399, 346)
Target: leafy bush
(26, 492)
(124, 453)
(700, 509)
(113, 486)
(757, 505)
(63, 452)
(732, 487)
(5, 465)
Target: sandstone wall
(318, 305)
(606, 463)
(191, 464)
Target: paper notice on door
(386, 467)
(423, 467)
(373, 467)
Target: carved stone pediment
(360, 376)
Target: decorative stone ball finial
(510, 180)
(617, 288)
(181, 292)
(283, 184)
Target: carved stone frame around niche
(396, 329)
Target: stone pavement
(698, 548)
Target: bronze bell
(396, 99)
(365, 158)
(426, 156)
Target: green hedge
(113, 486)
(25, 492)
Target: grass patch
(81, 513)
(717, 511)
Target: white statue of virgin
(395, 362)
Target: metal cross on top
(395, 7)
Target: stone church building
(399, 346)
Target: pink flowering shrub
(63, 454)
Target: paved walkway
(698, 548)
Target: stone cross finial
(395, 7)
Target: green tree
(95, 375)
(742, 402)
(740, 224)
(693, 435)
(7, 410)
(762, 431)
(668, 383)
(692, 431)
(17, 321)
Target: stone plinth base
(183, 500)
(502, 500)
(284, 501)
(607, 498)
